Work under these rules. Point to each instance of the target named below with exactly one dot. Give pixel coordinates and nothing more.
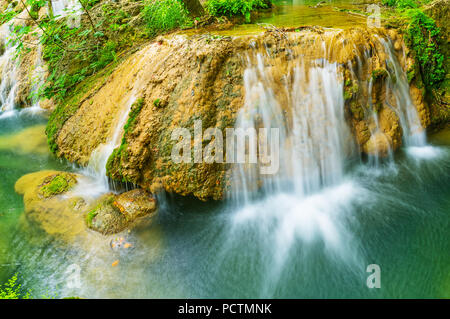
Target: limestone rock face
(439, 10)
(175, 81)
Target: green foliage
(12, 290)
(67, 107)
(165, 15)
(423, 36)
(74, 53)
(232, 8)
(134, 112)
(401, 4)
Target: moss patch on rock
(57, 184)
(115, 213)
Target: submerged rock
(114, 213)
(47, 207)
(31, 140)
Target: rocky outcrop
(51, 204)
(175, 81)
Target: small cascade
(309, 195)
(63, 8)
(97, 182)
(397, 83)
(8, 71)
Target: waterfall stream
(8, 70)
(311, 198)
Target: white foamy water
(423, 152)
(95, 181)
(413, 132)
(8, 71)
(311, 198)
(63, 8)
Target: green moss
(423, 38)
(57, 184)
(90, 216)
(157, 103)
(379, 74)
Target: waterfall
(95, 181)
(413, 132)
(8, 71)
(62, 8)
(311, 197)
(315, 142)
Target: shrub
(165, 15)
(232, 8)
(12, 290)
(401, 4)
(422, 36)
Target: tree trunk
(194, 7)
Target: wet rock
(105, 218)
(136, 203)
(54, 213)
(115, 213)
(51, 205)
(377, 145)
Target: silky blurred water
(396, 216)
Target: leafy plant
(232, 8)
(422, 35)
(12, 290)
(164, 15)
(400, 4)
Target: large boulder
(177, 80)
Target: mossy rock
(57, 184)
(115, 213)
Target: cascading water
(62, 8)
(414, 135)
(311, 198)
(308, 197)
(96, 181)
(413, 132)
(8, 70)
